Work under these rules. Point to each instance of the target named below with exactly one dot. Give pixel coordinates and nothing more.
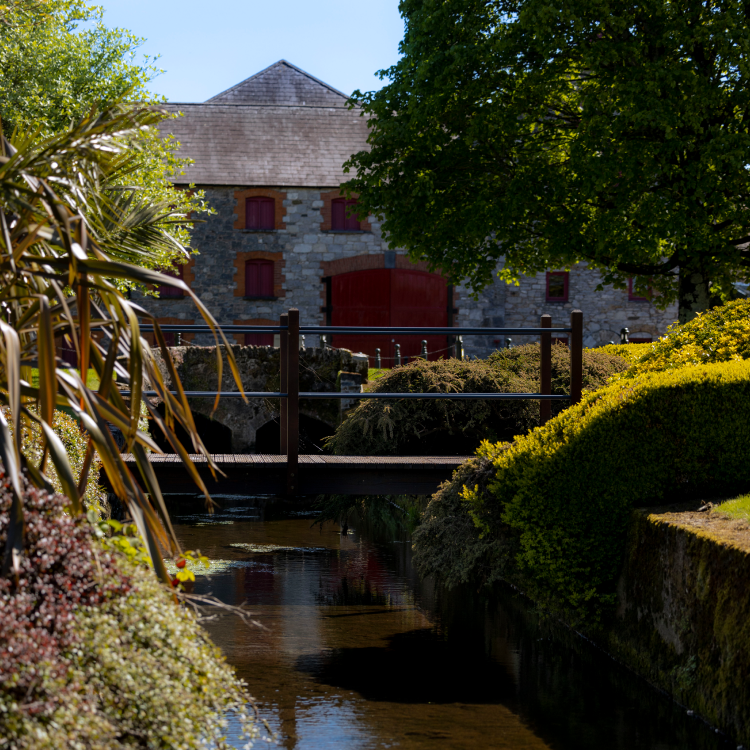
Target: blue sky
(207, 47)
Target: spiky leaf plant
(67, 242)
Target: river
(357, 653)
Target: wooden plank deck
(264, 474)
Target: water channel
(358, 653)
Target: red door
(390, 297)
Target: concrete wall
(304, 251)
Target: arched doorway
(390, 297)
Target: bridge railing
(289, 331)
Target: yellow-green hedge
(567, 488)
(720, 335)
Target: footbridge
(291, 474)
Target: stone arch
(312, 431)
(216, 436)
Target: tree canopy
(58, 62)
(547, 133)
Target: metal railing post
(545, 375)
(576, 356)
(283, 370)
(292, 401)
(398, 355)
(378, 362)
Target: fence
(289, 330)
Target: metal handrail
(361, 330)
(365, 394)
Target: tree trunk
(694, 293)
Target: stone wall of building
(605, 312)
(304, 252)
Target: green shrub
(417, 427)
(720, 335)
(567, 488)
(447, 544)
(94, 651)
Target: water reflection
(358, 654)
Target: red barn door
(389, 297)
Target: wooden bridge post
(292, 401)
(283, 369)
(576, 356)
(545, 379)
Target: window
(631, 295)
(339, 220)
(557, 286)
(560, 340)
(260, 214)
(258, 339)
(639, 339)
(259, 278)
(172, 291)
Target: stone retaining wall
(683, 614)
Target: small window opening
(259, 278)
(339, 220)
(260, 213)
(557, 286)
(166, 291)
(632, 295)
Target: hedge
(566, 489)
(720, 335)
(447, 427)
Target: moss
(683, 618)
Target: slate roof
(285, 84)
(279, 128)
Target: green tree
(58, 61)
(553, 132)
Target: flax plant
(69, 242)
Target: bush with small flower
(94, 651)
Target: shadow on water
(358, 653)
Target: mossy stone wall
(683, 618)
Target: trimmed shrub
(457, 427)
(95, 653)
(567, 488)
(720, 335)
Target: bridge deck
(261, 474)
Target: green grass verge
(737, 508)
(92, 379)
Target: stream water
(357, 653)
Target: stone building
(269, 153)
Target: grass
(374, 373)
(738, 508)
(92, 379)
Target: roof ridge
(274, 65)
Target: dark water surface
(357, 653)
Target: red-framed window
(339, 220)
(259, 278)
(557, 286)
(632, 296)
(260, 213)
(172, 291)
(258, 339)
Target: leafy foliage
(94, 653)
(447, 427)
(720, 335)
(567, 488)
(548, 134)
(58, 63)
(56, 282)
